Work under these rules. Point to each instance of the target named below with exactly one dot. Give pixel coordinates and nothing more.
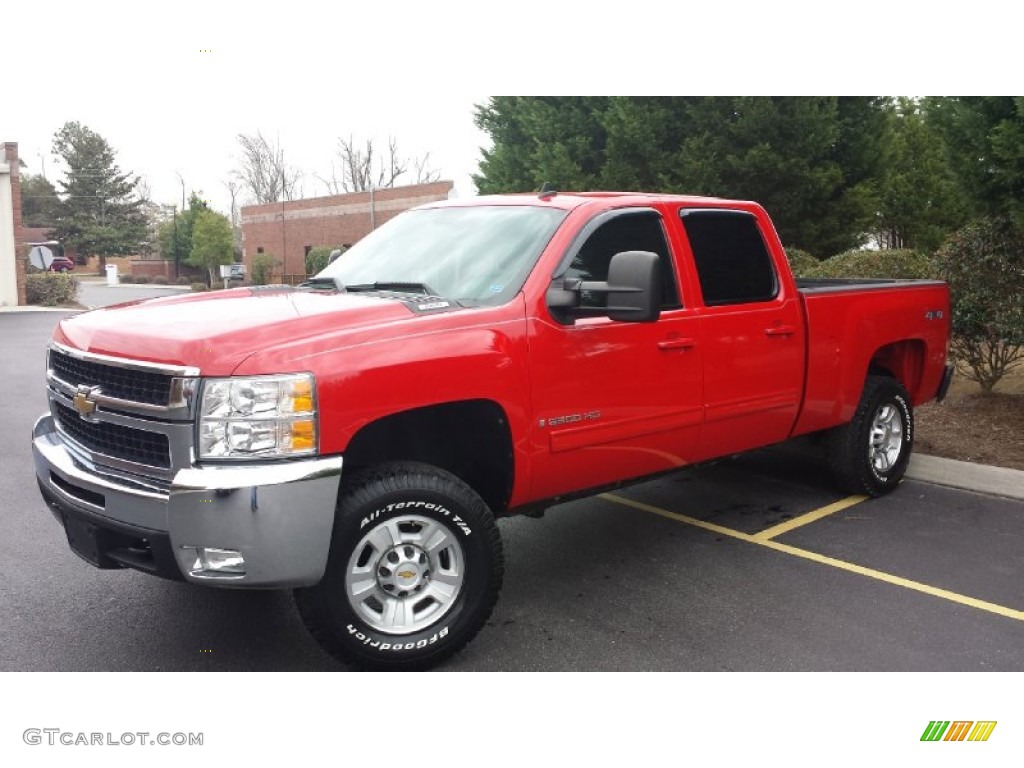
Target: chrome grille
(124, 383)
(115, 440)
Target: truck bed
(899, 325)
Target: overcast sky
(171, 99)
(170, 86)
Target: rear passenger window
(732, 261)
(640, 231)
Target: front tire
(870, 454)
(414, 570)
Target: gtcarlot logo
(958, 730)
(56, 737)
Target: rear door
(614, 400)
(751, 330)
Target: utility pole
(182, 191)
(175, 214)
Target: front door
(614, 400)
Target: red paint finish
(589, 403)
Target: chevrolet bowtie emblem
(406, 574)
(83, 404)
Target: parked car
(470, 359)
(61, 264)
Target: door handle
(670, 344)
(780, 330)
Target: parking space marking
(871, 573)
(810, 517)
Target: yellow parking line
(871, 573)
(681, 518)
(810, 517)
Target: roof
(570, 200)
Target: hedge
(801, 262)
(318, 257)
(894, 264)
(51, 289)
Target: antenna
(547, 190)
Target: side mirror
(634, 287)
(633, 290)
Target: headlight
(258, 416)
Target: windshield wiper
(397, 287)
(323, 282)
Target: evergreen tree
(99, 212)
(812, 161)
(786, 153)
(984, 136)
(39, 201)
(919, 202)
(536, 139)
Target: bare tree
(424, 173)
(362, 168)
(264, 172)
(143, 190)
(234, 188)
(151, 212)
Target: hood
(215, 332)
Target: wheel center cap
(404, 570)
(407, 574)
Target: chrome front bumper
(278, 515)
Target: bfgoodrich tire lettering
(414, 570)
(870, 454)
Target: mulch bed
(985, 429)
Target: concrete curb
(981, 478)
(157, 286)
(33, 308)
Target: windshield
(473, 255)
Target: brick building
(12, 263)
(288, 230)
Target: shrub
(183, 280)
(801, 262)
(199, 287)
(51, 289)
(263, 266)
(984, 266)
(128, 278)
(895, 264)
(142, 279)
(159, 280)
(318, 257)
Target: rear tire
(870, 454)
(414, 570)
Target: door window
(640, 231)
(732, 261)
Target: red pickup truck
(354, 438)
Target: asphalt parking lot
(754, 563)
